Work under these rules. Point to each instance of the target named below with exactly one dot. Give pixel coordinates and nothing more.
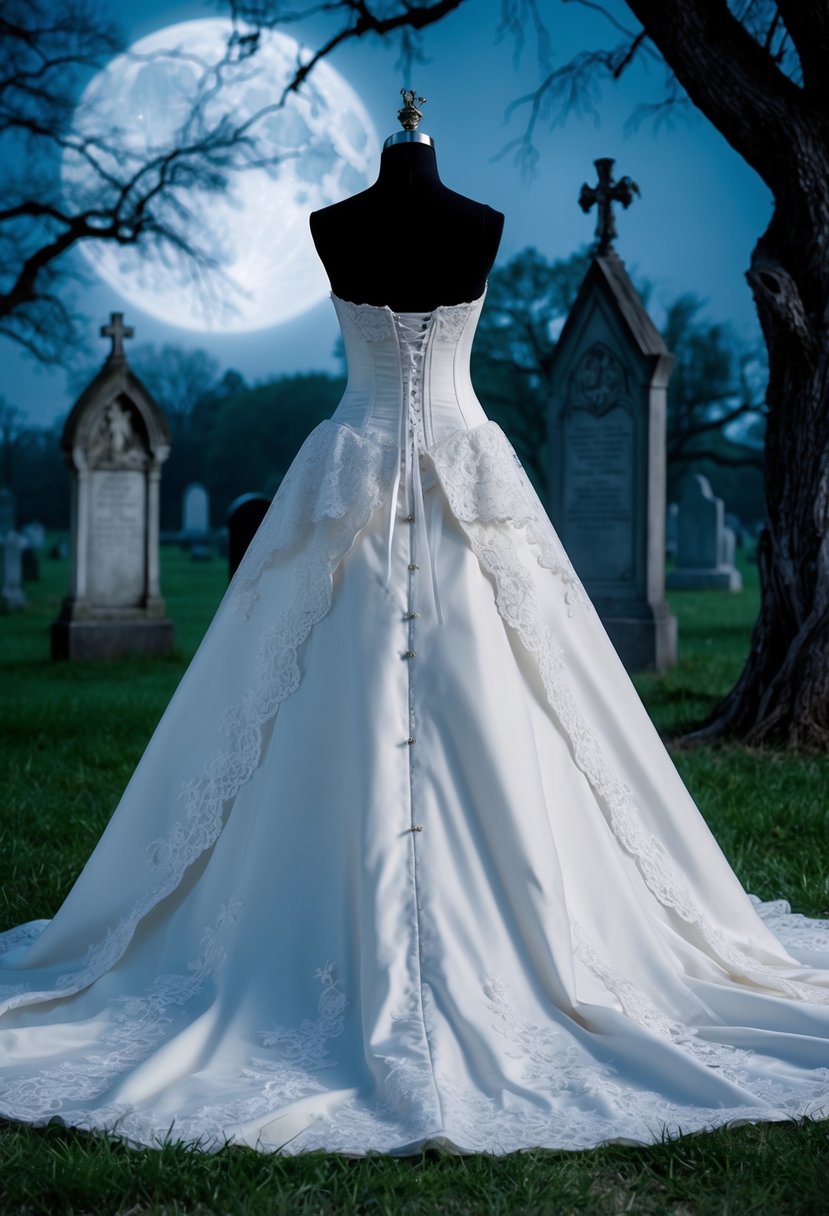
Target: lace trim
(336, 473)
(515, 598)
(140, 1024)
(593, 1105)
(795, 931)
(373, 324)
(21, 935)
(485, 483)
(562, 1065)
(307, 1048)
(450, 320)
(376, 322)
(286, 1077)
(732, 1062)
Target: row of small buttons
(410, 616)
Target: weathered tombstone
(115, 442)
(12, 596)
(244, 515)
(607, 446)
(705, 547)
(195, 512)
(35, 534)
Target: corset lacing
(413, 334)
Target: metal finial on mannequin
(409, 116)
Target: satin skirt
(459, 897)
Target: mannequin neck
(408, 166)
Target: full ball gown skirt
(405, 861)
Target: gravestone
(115, 442)
(12, 595)
(606, 429)
(35, 534)
(244, 515)
(705, 547)
(195, 513)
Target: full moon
(323, 144)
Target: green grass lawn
(72, 734)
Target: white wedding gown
(405, 861)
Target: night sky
(693, 229)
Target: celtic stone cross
(604, 194)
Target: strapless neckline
(412, 312)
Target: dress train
(405, 861)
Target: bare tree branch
(741, 89)
(134, 197)
(808, 27)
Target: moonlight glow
(258, 228)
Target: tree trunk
(782, 695)
(781, 128)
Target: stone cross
(604, 195)
(117, 331)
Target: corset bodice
(409, 371)
(409, 384)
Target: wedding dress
(405, 861)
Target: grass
(72, 734)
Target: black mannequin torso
(408, 241)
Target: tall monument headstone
(607, 444)
(115, 442)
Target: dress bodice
(409, 371)
(409, 384)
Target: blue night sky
(701, 209)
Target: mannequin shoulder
(493, 221)
(336, 213)
(481, 223)
(481, 216)
(330, 223)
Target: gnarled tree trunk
(783, 692)
(781, 128)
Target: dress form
(408, 241)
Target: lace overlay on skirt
(462, 802)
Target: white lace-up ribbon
(413, 334)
